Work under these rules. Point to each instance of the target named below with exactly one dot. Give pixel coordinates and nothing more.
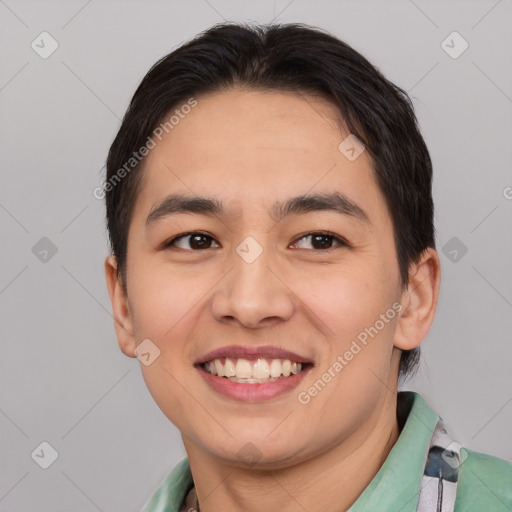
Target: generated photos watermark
(137, 156)
(304, 397)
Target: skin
(251, 148)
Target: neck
(331, 480)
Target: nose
(253, 293)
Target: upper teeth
(258, 369)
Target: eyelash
(341, 241)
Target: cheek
(163, 311)
(354, 312)
(163, 383)
(343, 302)
(161, 302)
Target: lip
(259, 392)
(265, 351)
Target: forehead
(253, 147)
(243, 120)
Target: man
(274, 269)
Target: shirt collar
(397, 484)
(171, 493)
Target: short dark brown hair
(286, 57)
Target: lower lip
(252, 392)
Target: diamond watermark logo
(454, 45)
(453, 455)
(249, 250)
(249, 454)
(147, 352)
(44, 455)
(351, 147)
(454, 249)
(44, 250)
(44, 45)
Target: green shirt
(484, 482)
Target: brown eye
(196, 241)
(323, 241)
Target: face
(245, 282)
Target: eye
(321, 240)
(197, 241)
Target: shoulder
(485, 483)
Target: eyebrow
(211, 206)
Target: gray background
(64, 379)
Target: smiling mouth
(253, 371)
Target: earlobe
(419, 301)
(121, 311)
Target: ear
(419, 301)
(122, 316)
